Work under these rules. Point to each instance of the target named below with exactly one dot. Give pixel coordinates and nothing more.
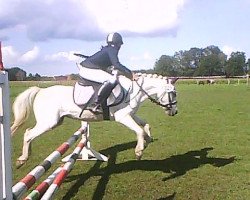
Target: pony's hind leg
(29, 135)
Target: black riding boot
(103, 93)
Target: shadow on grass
(176, 165)
(169, 197)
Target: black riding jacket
(103, 59)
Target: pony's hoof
(138, 157)
(148, 139)
(20, 163)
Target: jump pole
(49, 186)
(5, 138)
(60, 177)
(39, 191)
(29, 180)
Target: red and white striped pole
(1, 60)
(64, 172)
(29, 180)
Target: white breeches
(97, 75)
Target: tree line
(209, 61)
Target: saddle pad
(82, 94)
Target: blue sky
(41, 36)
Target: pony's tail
(21, 107)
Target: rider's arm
(115, 62)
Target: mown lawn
(202, 153)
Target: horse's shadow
(176, 165)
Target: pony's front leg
(130, 123)
(146, 127)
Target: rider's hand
(135, 77)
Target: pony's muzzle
(171, 111)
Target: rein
(156, 101)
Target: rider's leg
(103, 93)
(108, 81)
(96, 75)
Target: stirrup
(97, 109)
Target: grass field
(202, 153)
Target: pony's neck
(150, 85)
(144, 85)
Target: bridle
(170, 103)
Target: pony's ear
(174, 80)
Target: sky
(41, 36)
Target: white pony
(52, 104)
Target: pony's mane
(169, 80)
(156, 76)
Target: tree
(212, 62)
(235, 64)
(247, 66)
(166, 66)
(35, 77)
(190, 61)
(182, 62)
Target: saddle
(85, 92)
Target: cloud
(46, 19)
(30, 55)
(144, 56)
(144, 60)
(62, 56)
(12, 57)
(91, 19)
(136, 16)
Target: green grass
(202, 153)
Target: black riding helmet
(114, 39)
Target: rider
(95, 68)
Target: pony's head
(164, 93)
(167, 97)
